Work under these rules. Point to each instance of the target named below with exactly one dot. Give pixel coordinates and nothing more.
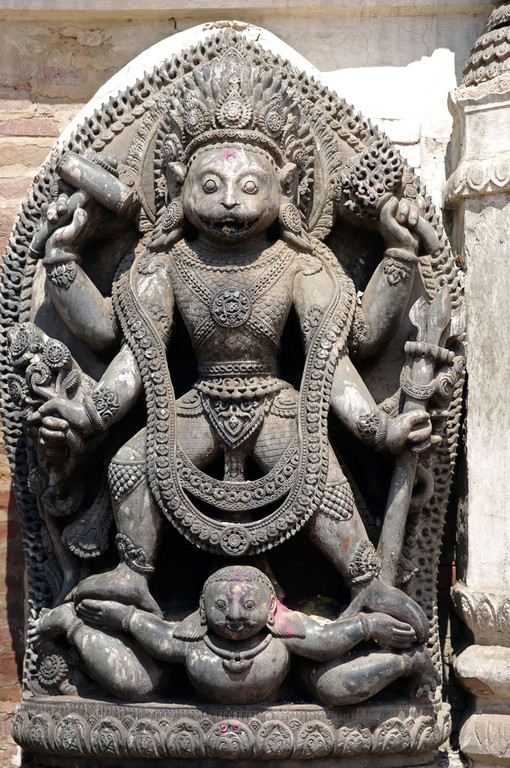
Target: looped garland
(327, 344)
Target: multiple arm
(351, 401)
(155, 636)
(387, 294)
(79, 303)
(88, 315)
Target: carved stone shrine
(233, 329)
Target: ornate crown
(226, 100)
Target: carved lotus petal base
(70, 731)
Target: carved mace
(431, 369)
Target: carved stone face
(231, 193)
(237, 610)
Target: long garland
(327, 343)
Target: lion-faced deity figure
(197, 353)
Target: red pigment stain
(346, 543)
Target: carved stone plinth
(395, 734)
(485, 738)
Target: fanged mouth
(236, 626)
(230, 226)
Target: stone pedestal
(479, 192)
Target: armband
(364, 627)
(126, 619)
(398, 265)
(373, 429)
(364, 566)
(101, 407)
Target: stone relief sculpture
(229, 335)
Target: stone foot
(52, 622)
(122, 585)
(423, 678)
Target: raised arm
(82, 307)
(120, 385)
(387, 294)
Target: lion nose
(229, 201)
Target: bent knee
(127, 468)
(134, 450)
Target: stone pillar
(479, 192)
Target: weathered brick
(9, 529)
(59, 82)
(33, 126)
(5, 472)
(9, 690)
(32, 150)
(14, 187)
(10, 639)
(7, 501)
(16, 103)
(446, 577)
(7, 216)
(8, 669)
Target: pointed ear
(287, 623)
(178, 172)
(289, 180)
(191, 628)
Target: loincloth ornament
(236, 421)
(236, 406)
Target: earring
(168, 228)
(201, 611)
(291, 227)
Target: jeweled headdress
(228, 100)
(229, 92)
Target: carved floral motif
(487, 614)
(168, 736)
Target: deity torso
(235, 311)
(243, 677)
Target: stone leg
(138, 518)
(120, 666)
(362, 675)
(337, 529)
(339, 533)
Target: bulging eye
(210, 186)
(250, 187)
(221, 604)
(249, 604)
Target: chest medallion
(231, 307)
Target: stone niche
(229, 313)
